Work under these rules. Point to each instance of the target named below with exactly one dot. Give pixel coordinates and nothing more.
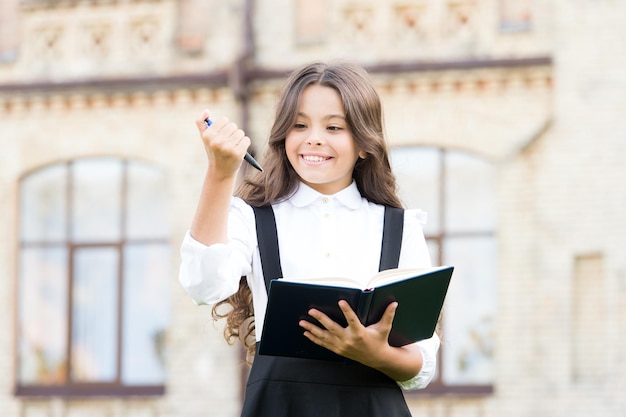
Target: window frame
(437, 385)
(68, 387)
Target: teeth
(313, 158)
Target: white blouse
(318, 235)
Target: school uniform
(317, 235)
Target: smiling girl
(327, 185)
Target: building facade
(505, 122)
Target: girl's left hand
(355, 341)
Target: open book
(420, 294)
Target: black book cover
(420, 299)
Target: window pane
(470, 205)
(146, 313)
(94, 308)
(96, 202)
(147, 203)
(42, 316)
(469, 312)
(418, 174)
(43, 205)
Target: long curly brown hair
(372, 174)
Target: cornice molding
(222, 78)
(434, 77)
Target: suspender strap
(268, 241)
(392, 238)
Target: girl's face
(320, 146)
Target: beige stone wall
(154, 126)
(555, 132)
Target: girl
(328, 182)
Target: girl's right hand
(224, 143)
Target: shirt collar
(349, 196)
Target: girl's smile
(315, 159)
(320, 146)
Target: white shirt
(318, 235)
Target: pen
(249, 159)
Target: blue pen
(249, 159)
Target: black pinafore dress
(294, 387)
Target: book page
(332, 281)
(392, 275)
(381, 278)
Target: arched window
(456, 189)
(94, 262)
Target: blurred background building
(506, 122)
